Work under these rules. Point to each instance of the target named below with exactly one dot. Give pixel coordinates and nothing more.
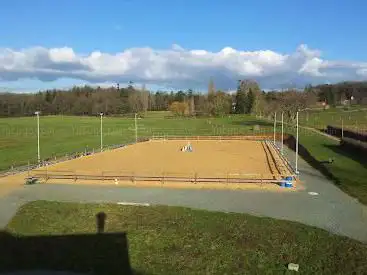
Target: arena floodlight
(101, 115)
(37, 113)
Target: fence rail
(53, 160)
(193, 178)
(174, 137)
(229, 178)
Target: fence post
(28, 169)
(47, 174)
(162, 178)
(261, 180)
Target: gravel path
(331, 209)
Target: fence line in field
(188, 137)
(163, 177)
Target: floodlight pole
(101, 115)
(275, 127)
(297, 137)
(282, 150)
(136, 129)
(38, 136)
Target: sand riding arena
(213, 162)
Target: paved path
(331, 209)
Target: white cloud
(178, 67)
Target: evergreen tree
(240, 101)
(250, 101)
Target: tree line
(248, 99)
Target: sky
(181, 44)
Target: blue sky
(326, 40)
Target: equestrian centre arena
(194, 162)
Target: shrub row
(336, 131)
(356, 146)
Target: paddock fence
(163, 177)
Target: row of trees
(338, 94)
(248, 99)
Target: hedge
(337, 131)
(351, 144)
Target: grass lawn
(354, 119)
(60, 135)
(174, 240)
(349, 170)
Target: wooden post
(162, 178)
(28, 168)
(342, 128)
(46, 174)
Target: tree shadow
(252, 123)
(356, 155)
(320, 165)
(101, 253)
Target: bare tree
(144, 99)
(211, 87)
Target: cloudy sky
(180, 44)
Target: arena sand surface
(208, 159)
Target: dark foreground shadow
(100, 253)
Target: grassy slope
(61, 135)
(350, 171)
(173, 240)
(353, 119)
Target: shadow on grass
(252, 123)
(356, 155)
(321, 166)
(100, 253)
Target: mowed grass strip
(354, 119)
(174, 240)
(61, 135)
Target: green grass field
(60, 135)
(174, 240)
(354, 119)
(349, 170)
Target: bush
(351, 144)
(337, 131)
